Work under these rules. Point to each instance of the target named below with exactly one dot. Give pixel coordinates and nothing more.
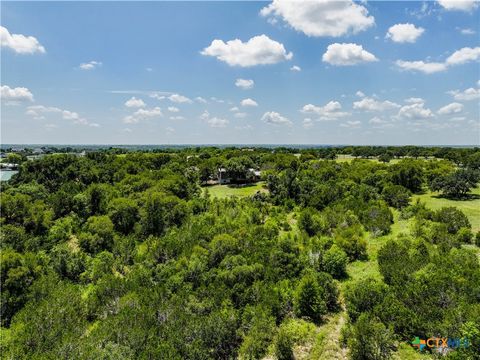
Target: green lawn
(223, 191)
(471, 208)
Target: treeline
(125, 256)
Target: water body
(5, 175)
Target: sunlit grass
(224, 191)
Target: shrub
(335, 261)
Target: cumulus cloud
(460, 5)
(330, 111)
(351, 124)
(459, 57)
(466, 95)
(259, 50)
(404, 33)
(200, 100)
(274, 118)
(360, 94)
(347, 54)
(463, 56)
(177, 98)
(453, 108)
(13, 96)
(415, 111)
(213, 121)
(414, 100)
(173, 109)
(177, 118)
(307, 123)
(244, 84)
(296, 68)
(248, 102)
(425, 67)
(371, 104)
(133, 102)
(240, 115)
(39, 112)
(91, 65)
(142, 114)
(234, 109)
(321, 18)
(19, 43)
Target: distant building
(225, 177)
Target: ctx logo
(440, 343)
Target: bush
(396, 196)
(334, 262)
(309, 299)
(453, 218)
(351, 239)
(363, 296)
(370, 339)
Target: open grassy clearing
(471, 208)
(224, 191)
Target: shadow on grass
(466, 197)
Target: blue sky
(166, 73)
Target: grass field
(471, 208)
(224, 191)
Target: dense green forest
(123, 254)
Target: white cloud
(307, 123)
(453, 108)
(377, 121)
(133, 102)
(142, 114)
(217, 122)
(371, 104)
(15, 95)
(414, 100)
(201, 100)
(404, 33)
(177, 118)
(173, 109)
(330, 111)
(461, 5)
(321, 18)
(459, 57)
(360, 94)
(240, 115)
(248, 102)
(274, 118)
(296, 68)
(38, 112)
(351, 124)
(90, 65)
(234, 109)
(347, 54)
(463, 56)
(425, 67)
(466, 95)
(213, 121)
(467, 31)
(177, 98)
(415, 111)
(259, 50)
(21, 44)
(244, 84)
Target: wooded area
(123, 254)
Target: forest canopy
(127, 255)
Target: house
(225, 177)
